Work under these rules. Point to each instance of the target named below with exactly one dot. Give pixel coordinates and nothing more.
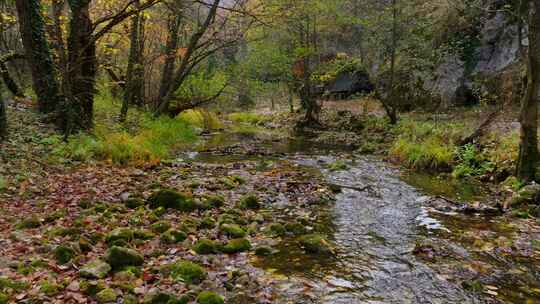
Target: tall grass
(248, 118)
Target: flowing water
(375, 225)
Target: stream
(378, 221)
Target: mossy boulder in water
(173, 236)
(209, 297)
(205, 246)
(237, 245)
(250, 202)
(64, 254)
(119, 257)
(188, 272)
(171, 199)
(315, 244)
(96, 269)
(233, 230)
(107, 295)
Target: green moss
(4, 298)
(315, 243)
(338, 165)
(119, 257)
(237, 245)
(263, 251)
(134, 203)
(277, 229)
(208, 297)
(215, 201)
(205, 246)
(207, 223)
(173, 236)
(63, 254)
(107, 295)
(49, 288)
(233, 230)
(29, 223)
(96, 269)
(173, 200)
(125, 235)
(295, 228)
(161, 226)
(91, 288)
(250, 202)
(188, 272)
(143, 235)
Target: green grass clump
(248, 118)
(201, 119)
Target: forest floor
(64, 222)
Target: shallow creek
(376, 225)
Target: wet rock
(161, 226)
(315, 244)
(295, 228)
(250, 202)
(120, 236)
(209, 297)
(171, 199)
(173, 236)
(96, 269)
(63, 254)
(107, 295)
(188, 272)
(119, 257)
(237, 245)
(205, 246)
(233, 230)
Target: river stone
(119, 257)
(96, 269)
(315, 244)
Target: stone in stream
(96, 269)
(315, 244)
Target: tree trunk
(391, 109)
(528, 150)
(11, 84)
(81, 68)
(3, 117)
(57, 33)
(133, 95)
(170, 53)
(38, 55)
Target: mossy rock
(49, 288)
(209, 297)
(207, 223)
(171, 199)
(216, 201)
(205, 246)
(250, 202)
(64, 254)
(295, 228)
(107, 295)
(119, 257)
(263, 251)
(237, 245)
(120, 236)
(315, 244)
(233, 230)
(173, 236)
(85, 245)
(96, 269)
(134, 203)
(143, 234)
(91, 288)
(164, 298)
(29, 223)
(161, 226)
(277, 229)
(188, 272)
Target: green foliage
(471, 163)
(208, 297)
(248, 118)
(188, 272)
(201, 119)
(200, 86)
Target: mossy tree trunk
(134, 92)
(11, 84)
(81, 68)
(3, 117)
(528, 150)
(38, 55)
(175, 21)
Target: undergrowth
(248, 118)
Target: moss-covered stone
(107, 295)
(188, 272)
(209, 297)
(63, 254)
(172, 199)
(277, 229)
(315, 244)
(119, 257)
(120, 236)
(237, 245)
(215, 201)
(250, 202)
(173, 236)
(85, 245)
(157, 297)
(207, 223)
(4, 298)
(205, 246)
(233, 230)
(263, 251)
(295, 228)
(161, 226)
(134, 203)
(91, 288)
(96, 269)
(49, 288)
(29, 223)
(143, 234)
